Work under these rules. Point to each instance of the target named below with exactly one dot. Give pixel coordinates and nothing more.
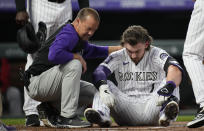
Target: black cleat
(32, 120)
(47, 114)
(170, 111)
(198, 121)
(94, 117)
(74, 122)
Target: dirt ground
(176, 126)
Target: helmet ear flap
(31, 32)
(42, 32)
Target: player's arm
(173, 70)
(174, 76)
(100, 81)
(100, 76)
(105, 69)
(83, 3)
(21, 15)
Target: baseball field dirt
(176, 126)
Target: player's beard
(136, 60)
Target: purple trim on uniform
(100, 112)
(94, 51)
(101, 73)
(172, 83)
(8, 128)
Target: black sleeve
(20, 5)
(83, 3)
(172, 61)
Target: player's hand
(22, 17)
(165, 92)
(106, 96)
(81, 59)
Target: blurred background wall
(166, 21)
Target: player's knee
(73, 66)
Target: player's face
(136, 52)
(87, 27)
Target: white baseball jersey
(136, 92)
(193, 52)
(53, 15)
(138, 80)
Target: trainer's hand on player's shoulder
(22, 17)
(106, 95)
(165, 92)
(81, 59)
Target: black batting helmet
(27, 40)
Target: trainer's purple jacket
(60, 52)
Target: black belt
(56, 1)
(25, 77)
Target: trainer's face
(136, 52)
(87, 27)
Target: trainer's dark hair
(83, 13)
(136, 34)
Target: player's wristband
(171, 83)
(168, 89)
(99, 83)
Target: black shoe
(74, 122)
(198, 120)
(47, 114)
(94, 117)
(170, 111)
(32, 120)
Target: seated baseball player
(146, 91)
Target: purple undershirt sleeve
(101, 73)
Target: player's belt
(25, 77)
(56, 1)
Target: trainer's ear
(78, 21)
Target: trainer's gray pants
(61, 86)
